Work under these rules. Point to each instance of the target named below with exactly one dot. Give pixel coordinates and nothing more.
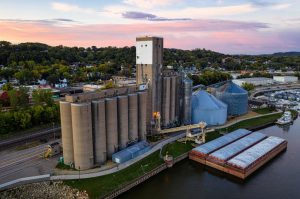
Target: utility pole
(53, 130)
(79, 172)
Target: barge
(200, 153)
(241, 157)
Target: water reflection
(285, 128)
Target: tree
(7, 87)
(248, 86)
(19, 97)
(26, 76)
(41, 96)
(22, 119)
(37, 114)
(53, 78)
(109, 85)
(6, 73)
(13, 98)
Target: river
(278, 179)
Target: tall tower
(149, 62)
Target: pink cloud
(222, 36)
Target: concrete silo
(142, 101)
(235, 97)
(207, 108)
(165, 116)
(66, 132)
(99, 131)
(178, 99)
(82, 135)
(173, 99)
(123, 121)
(187, 94)
(111, 113)
(133, 117)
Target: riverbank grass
(101, 186)
(246, 124)
(264, 110)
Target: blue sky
(228, 26)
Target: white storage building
(285, 79)
(257, 81)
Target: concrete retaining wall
(23, 181)
(143, 178)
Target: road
(274, 88)
(24, 163)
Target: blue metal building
(207, 108)
(235, 97)
(131, 152)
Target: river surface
(278, 179)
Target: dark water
(280, 178)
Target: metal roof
(231, 87)
(131, 152)
(205, 101)
(207, 108)
(246, 158)
(237, 146)
(221, 141)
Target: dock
(239, 153)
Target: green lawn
(264, 110)
(255, 122)
(177, 148)
(100, 186)
(246, 124)
(212, 135)
(294, 113)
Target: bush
(17, 120)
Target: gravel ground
(42, 190)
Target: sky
(226, 26)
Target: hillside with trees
(29, 62)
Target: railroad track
(45, 134)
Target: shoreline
(147, 175)
(159, 169)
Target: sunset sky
(227, 26)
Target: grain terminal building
(95, 125)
